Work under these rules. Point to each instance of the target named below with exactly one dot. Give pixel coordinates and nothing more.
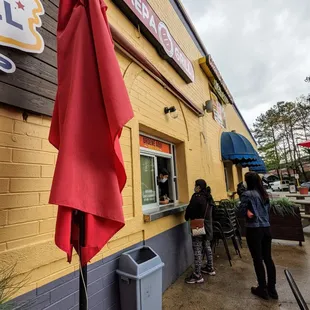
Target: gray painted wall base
(173, 246)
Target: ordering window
(158, 173)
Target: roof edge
(244, 122)
(202, 47)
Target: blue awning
(256, 163)
(237, 148)
(259, 169)
(257, 166)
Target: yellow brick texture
(4, 185)
(47, 225)
(47, 171)
(19, 141)
(19, 200)
(44, 198)
(3, 217)
(22, 215)
(13, 232)
(12, 170)
(27, 160)
(5, 154)
(30, 185)
(2, 247)
(33, 130)
(21, 156)
(46, 146)
(25, 242)
(6, 124)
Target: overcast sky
(261, 48)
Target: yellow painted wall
(27, 160)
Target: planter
(287, 227)
(303, 190)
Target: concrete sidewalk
(230, 288)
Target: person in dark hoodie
(255, 206)
(201, 205)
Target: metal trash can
(140, 279)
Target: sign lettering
(155, 145)
(6, 64)
(219, 78)
(219, 91)
(219, 113)
(19, 21)
(160, 36)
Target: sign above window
(156, 31)
(208, 66)
(19, 21)
(219, 91)
(155, 145)
(219, 78)
(218, 112)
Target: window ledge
(162, 211)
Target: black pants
(259, 243)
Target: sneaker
(260, 292)
(272, 292)
(209, 271)
(193, 279)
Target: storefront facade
(170, 79)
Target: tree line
(278, 133)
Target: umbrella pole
(83, 269)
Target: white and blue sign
(6, 64)
(19, 21)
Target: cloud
(261, 48)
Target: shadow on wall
(173, 247)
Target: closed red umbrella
(91, 108)
(305, 144)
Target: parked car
(270, 178)
(306, 184)
(266, 184)
(280, 185)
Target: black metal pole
(83, 270)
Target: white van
(280, 185)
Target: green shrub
(228, 203)
(283, 207)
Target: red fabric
(305, 144)
(91, 108)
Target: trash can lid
(138, 261)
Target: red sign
(154, 145)
(160, 34)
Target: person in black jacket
(201, 206)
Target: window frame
(173, 164)
(151, 205)
(229, 175)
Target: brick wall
(172, 245)
(27, 221)
(27, 160)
